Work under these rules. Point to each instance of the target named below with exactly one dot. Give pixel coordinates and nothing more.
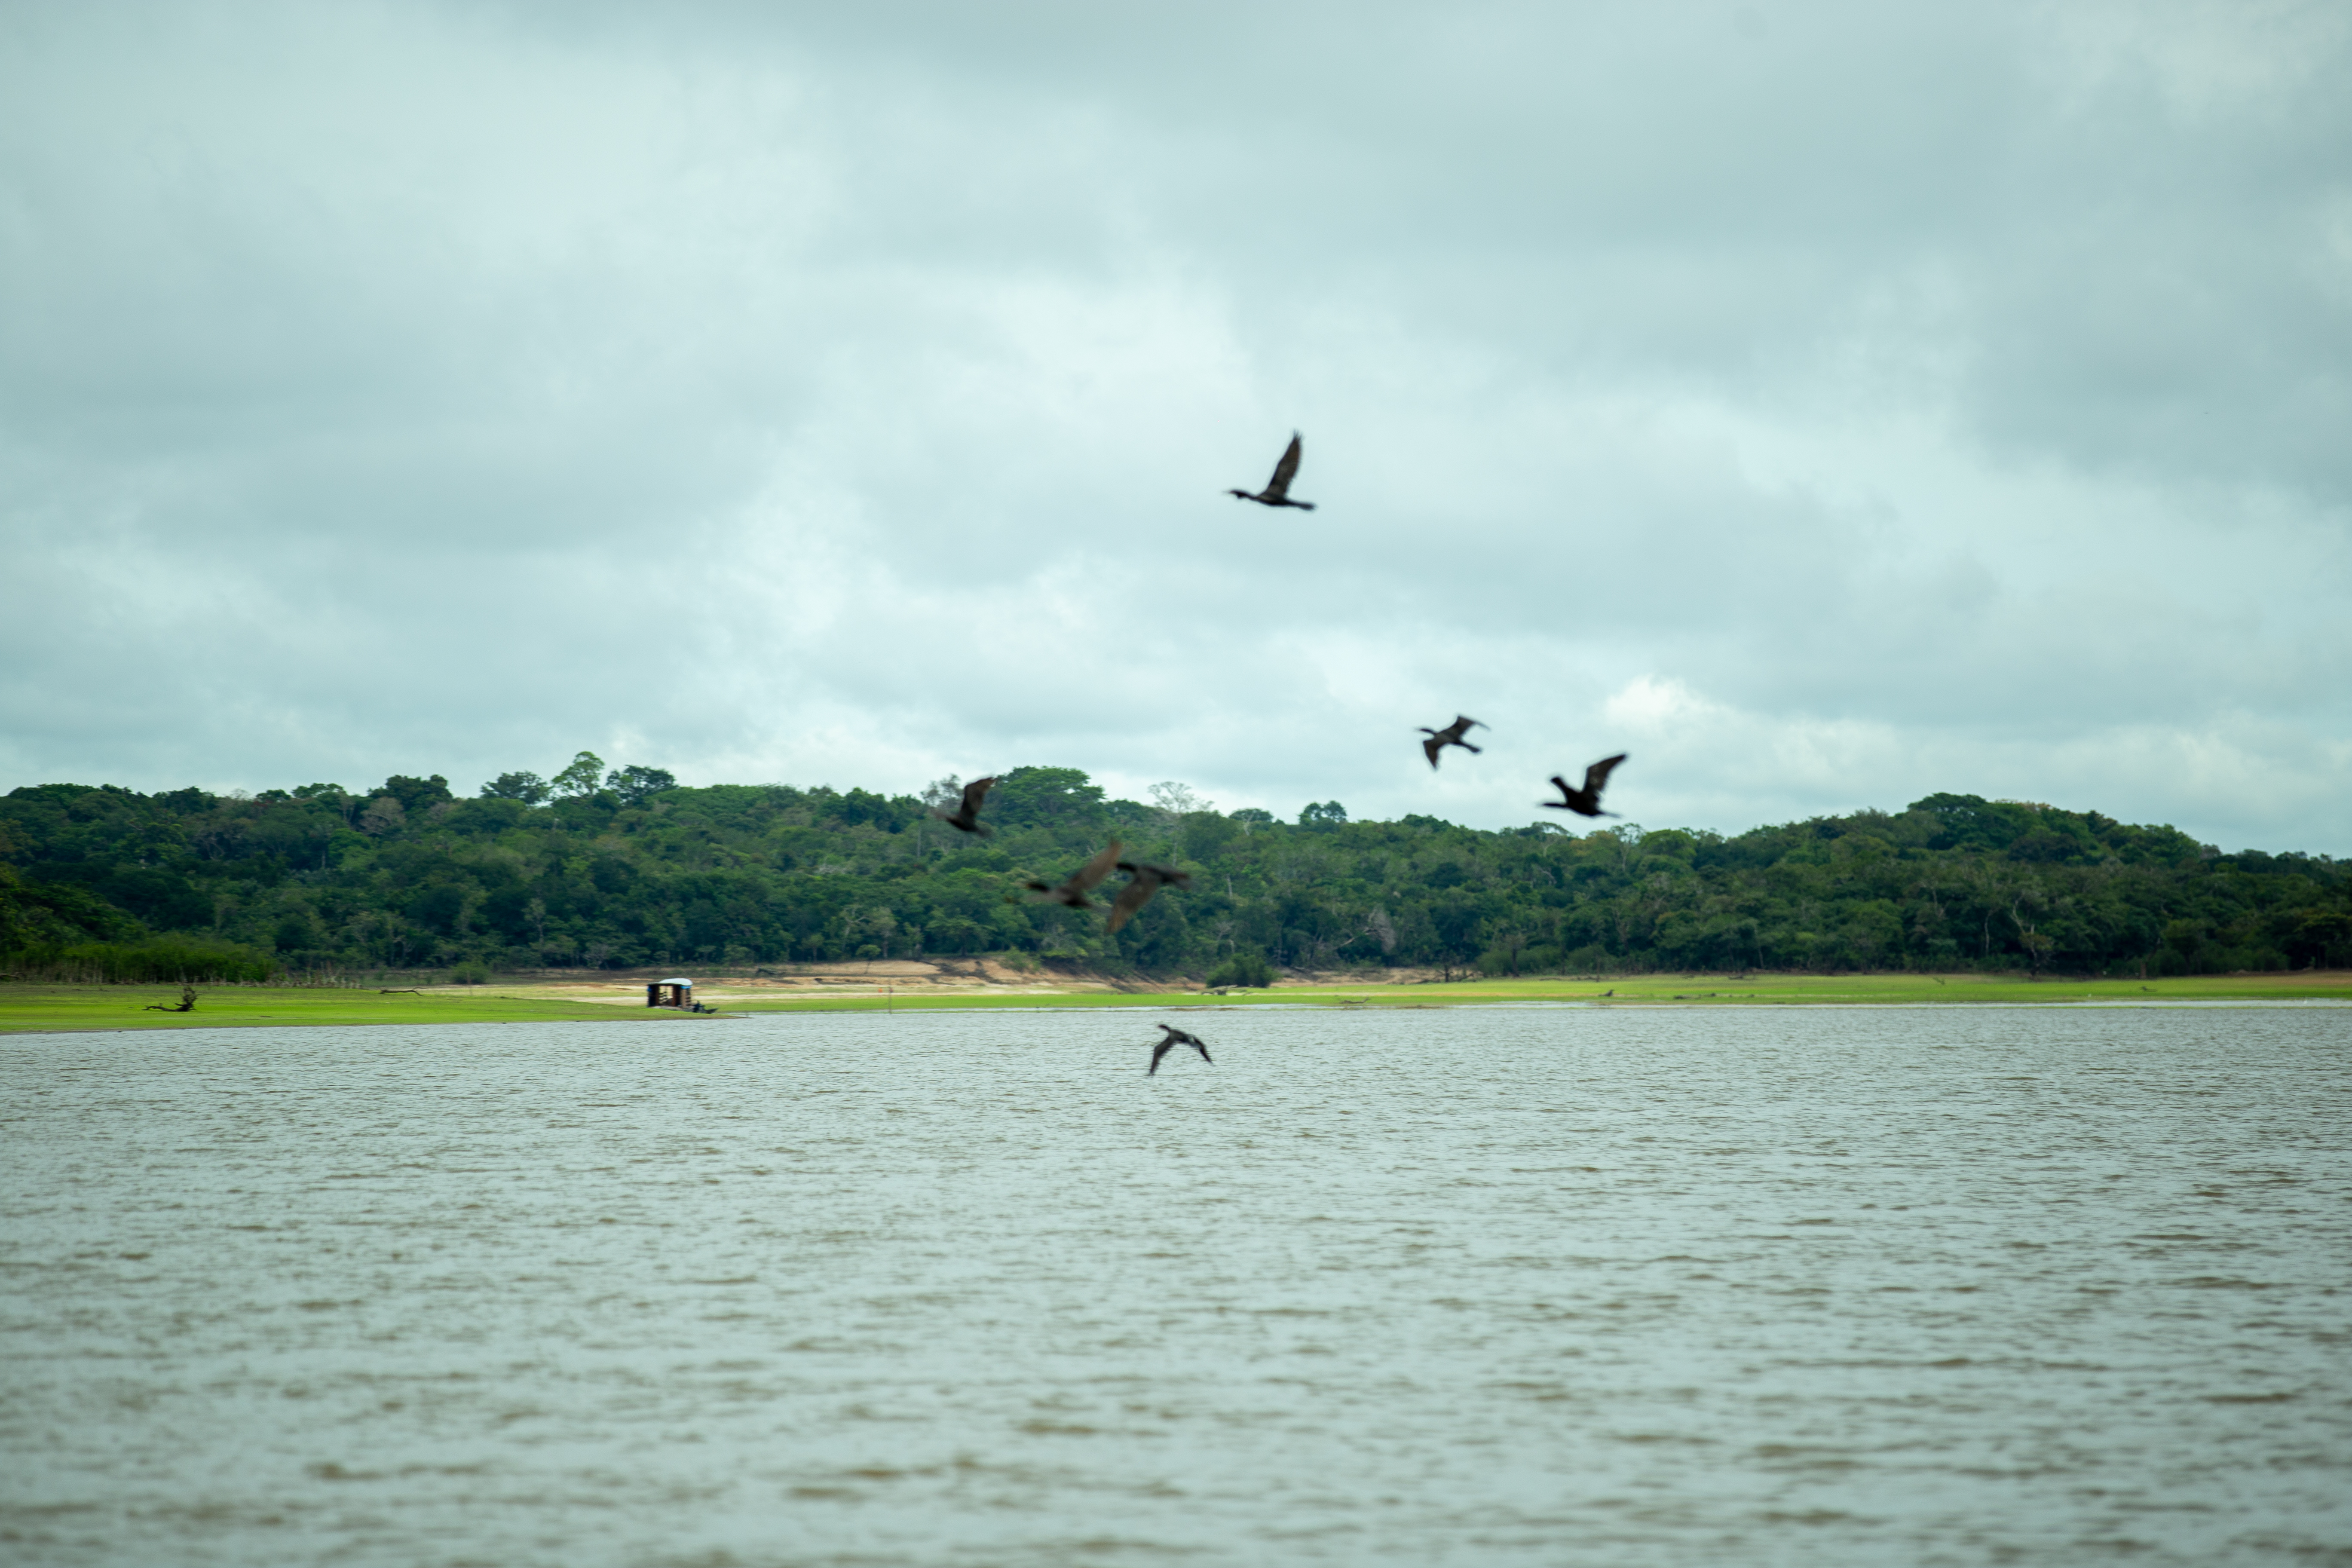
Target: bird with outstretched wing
(1585, 802)
(1081, 881)
(1277, 489)
(965, 818)
(1145, 881)
(1450, 736)
(1171, 1037)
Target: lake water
(1481, 1286)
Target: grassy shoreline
(31, 1009)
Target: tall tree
(526, 787)
(635, 786)
(581, 777)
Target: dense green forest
(626, 868)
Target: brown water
(1480, 1287)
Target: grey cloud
(1938, 399)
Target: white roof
(675, 980)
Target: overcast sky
(1828, 404)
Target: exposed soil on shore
(905, 976)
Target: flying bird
(1173, 1037)
(965, 819)
(1449, 736)
(1277, 489)
(1074, 891)
(1149, 879)
(1585, 802)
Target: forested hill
(630, 870)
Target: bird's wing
(1094, 871)
(1431, 747)
(1459, 727)
(1133, 897)
(1285, 471)
(1203, 1049)
(1161, 1050)
(1598, 773)
(974, 793)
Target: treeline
(625, 869)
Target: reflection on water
(1865, 1286)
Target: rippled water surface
(1492, 1287)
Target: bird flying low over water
(965, 819)
(1277, 489)
(1449, 736)
(1585, 802)
(1149, 879)
(1169, 1040)
(1072, 892)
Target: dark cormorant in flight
(1277, 489)
(1449, 736)
(1585, 802)
(1149, 879)
(965, 819)
(1169, 1041)
(1074, 891)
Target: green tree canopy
(648, 871)
(526, 787)
(580, 776)
(416, 794)
(635, 786)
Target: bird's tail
(1466, 746)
